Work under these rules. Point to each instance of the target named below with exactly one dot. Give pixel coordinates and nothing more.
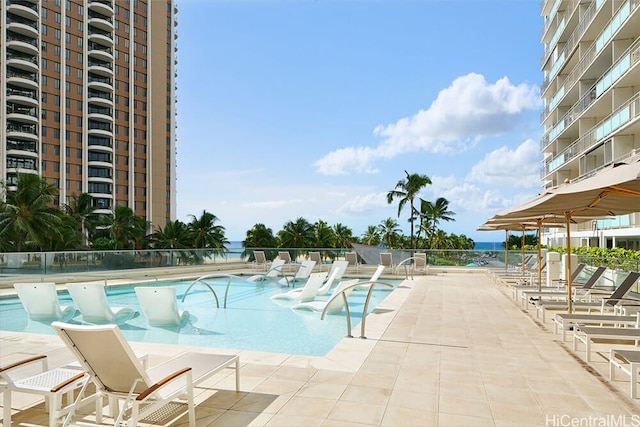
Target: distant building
(87, 100)
(591, 94)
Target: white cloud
(505, 167)
(467, 111)
(367, 203)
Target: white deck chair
(420, 263)
(303, 273)
(160, 305)
(374, 277)
(53, 384)
(285, 256)
(306, 293)
(91, 300)
(274, 272)
(260, 261)
(40, 301)
(333, 306)
(352, 260)
(117, 373)
(386, 259)
(338, 268)
(315, 256)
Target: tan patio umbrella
(528, 223)
(615, 190)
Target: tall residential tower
(591, 94)
(87, 100)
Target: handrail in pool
(213, 276)
(343, 293)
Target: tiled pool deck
(450, 349)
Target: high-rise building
(591, 94)
(87, 100)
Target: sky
(316, 108)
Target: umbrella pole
(506, 250)
(522, 250)
(567, 216)
(539, 221)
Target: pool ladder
(201, 280)
(343, 294)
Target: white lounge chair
(306, 293)
(260, 261)
(386, 259)
(40, 301)
(420, 263)
(117, 373)
(333, 306)
(91, 300)
(160, 305)
(338, 269)
(273, 273)
(285, 256)
(375, 276)
(304, 270)
(315, 256)
(53, 384)
(352, 260)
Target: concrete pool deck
(448, 349)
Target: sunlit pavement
(447, 349)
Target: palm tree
(259, 236)
(81, 209)
(323, 235)
(406, 190)
(125, 229)
(296, 234)
(371, 236)
(206, 234)
(174, 235)
(433, 213)
(389, 231)
(27, 216)
(343, 235)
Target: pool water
(250, 321)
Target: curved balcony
(102, 38)
(99, 100)
(21, 43)
(20, 131)
(100, 117)
(101, 22)
(24, 10)
(16, 97)
(103, 7)
(21, 165)
(22, 154)
(100, 53)
(100, 144)
(29, 29)
(22, 79)
(25, 148)
(19, 116)
(101, 68)
(100, 85)
(23, 62)
(100, 132)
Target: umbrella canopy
(614, 190)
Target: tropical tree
(259, 236)
(174, 235)
(27, 216)
(343, 235)
(323, 235)
(125, 230)
(389, 231)
(406, 190)
(81, 209)
(433, 213)
(296, 234)
(206, 234)
(371, 236)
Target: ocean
(488, 246)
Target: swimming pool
(251, 320)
